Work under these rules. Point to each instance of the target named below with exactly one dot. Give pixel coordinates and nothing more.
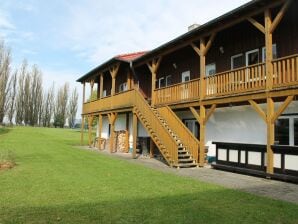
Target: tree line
(25, 101)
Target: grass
(55, 182)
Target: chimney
(193, 26)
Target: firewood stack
(121, 141)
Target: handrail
(285, 71)
(178, 84)
(163, 135)
(187, 137)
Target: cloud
(5, 24)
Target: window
(164, 81)
(168, 80)
(252, 57)
(210, 69)
(286, 130)
(274, 52)
(104, 93)
(185, 76)
(237, 61)
(123, 87)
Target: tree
(73, 108)
(61, 106)
(12, 97)
(5, 60)
(20, 98)
(48, 106)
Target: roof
(254, 5)
(126, 58)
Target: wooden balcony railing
(285, 71)
(242, 80)
(178, 92)
(234, 81)
(119, 100)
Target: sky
(67, 38)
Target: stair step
(186, 165)
(188, 160)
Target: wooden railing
(178, 92)
(285, 71)
(234, 81)
(164, 138)
(119, 100)
(188, 139)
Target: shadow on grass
(210, 206)
(4, 130)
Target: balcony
(242, 80)
(118, 101)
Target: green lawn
(55, 182)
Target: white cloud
(5, 24)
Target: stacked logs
(121, 138)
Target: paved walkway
(259, 186)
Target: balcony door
(185, 77)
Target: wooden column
(99, 131)
(82, 130)
(269, 118)
(112, 119)
(90, 120)
(84, 89)
(128, 80)
(114, 71)
(269, 56)
(101, 86)
(202, 117)
(152, 144)
(153, 67)
(135, 135)
(127, 132)
(202, 69)
(91, 85)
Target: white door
(185, 77)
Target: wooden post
(99, 131)
(153, 67)
(270, 135)
(268, 45)
(91, 85)
(112, 119)
(128, 80)
(101, 86)
(127, 132)
(135, 135)
(152, 144)
(202, 136)
(202, 69)
(90, 120)
(114, 71)
(82, 130)
(84, 88)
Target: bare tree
(12, 97)
(20, 99)
(26, 92)
(61, 106)
(48, 106)
(5, 60)
(73, 108)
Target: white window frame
(291, 127)
(274, 48)
(232, 59)
(251, 52)
(210, 67)
(185, 74)
(167, 80)
(159, 82)
(123, 87)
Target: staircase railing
(164, 137)
(188, 139)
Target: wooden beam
(210, 112)
(127, 133)
(195, 114)
(270, 135)
(84, 89)
(202, 69)
(209, 43)
(282, 108)
(280, 15)
(90, 120)
(196, 49)
(135, 135)
(114, 70)
(128, 81)
(99, 131)
(258, 109)
(82, 130)
(153, 67)
(112, 118)
(256, 24)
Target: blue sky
(67, 38)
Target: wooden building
(230, 84)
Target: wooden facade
(246, 57)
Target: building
(230, 84)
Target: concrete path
(259, 186)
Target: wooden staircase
(170, 145)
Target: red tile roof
(130, 56)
